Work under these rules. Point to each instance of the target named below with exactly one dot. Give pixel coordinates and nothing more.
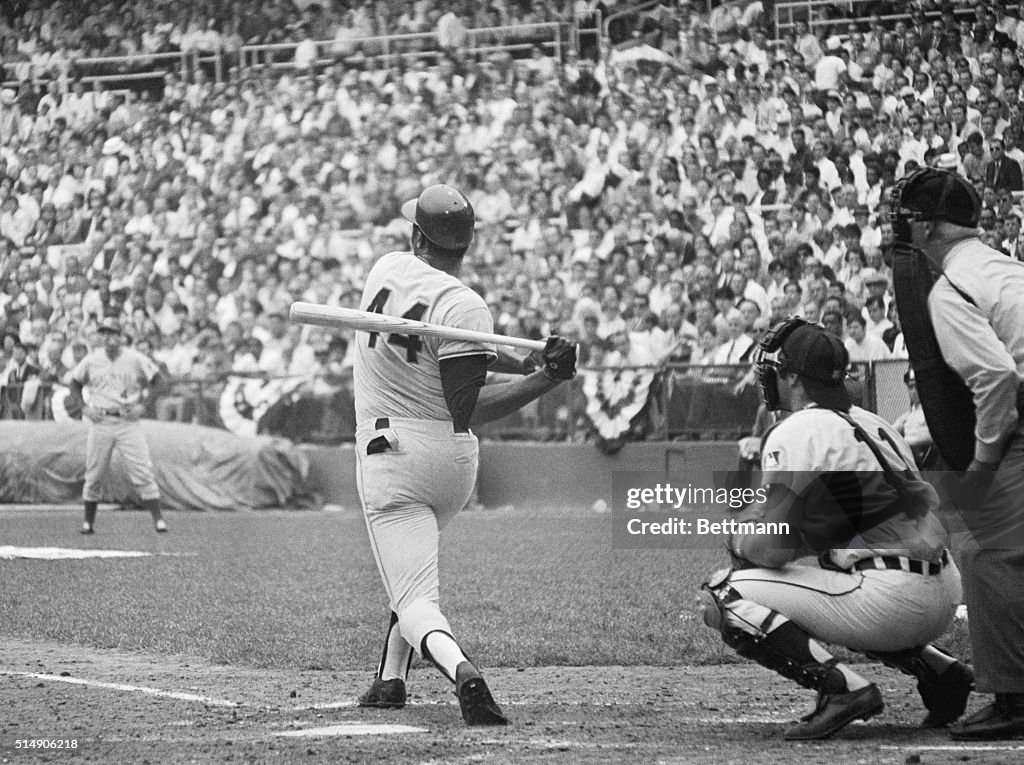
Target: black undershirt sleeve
(462, 377)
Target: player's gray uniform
(414, 472)
(115, 386)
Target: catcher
(884, 584)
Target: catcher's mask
(795, 346)
(956, 201)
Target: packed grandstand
(659, 181)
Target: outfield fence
(673, 402)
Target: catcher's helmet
(444, 215)
(932, 194)
(820, 358)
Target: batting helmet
(931, 194)
(444, 215)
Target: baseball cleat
(161, 527)
(86, 528)
(475, 700)
(1002, 720)
(384, 694)
(945, 696)
(836, 710)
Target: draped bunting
(246, 401)
(616, 402)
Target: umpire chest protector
(946, 400)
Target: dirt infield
(120, 707)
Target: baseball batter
(118, 379)
(415, 399)
(845, 482)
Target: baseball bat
(367, 321)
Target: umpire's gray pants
(993, 574)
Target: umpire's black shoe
(836, 710)
(945, 696)
(1002, 720)
(384, 694)
(475, 700)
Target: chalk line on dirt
(954, 748)
(352, 729)
(177, 695)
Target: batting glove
(558, 359)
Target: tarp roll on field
(196, 468)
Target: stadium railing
(517, 40)
(421, 45)
(123, 69)
(826, 13)
(681, 402)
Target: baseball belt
(900, 563)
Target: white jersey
(398, 375)
(816, 443)
(113, 384)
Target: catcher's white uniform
(874, 608)
(414, 471)
(883, 583)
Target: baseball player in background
(118, 379)
(972, 296)
(416, 399)
(883, 584)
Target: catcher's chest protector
(946, 400)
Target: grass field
(299, 589)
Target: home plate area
(121, 706)
(352, 729)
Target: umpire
(965, 337)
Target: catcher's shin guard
(763, 635)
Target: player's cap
(110, 324)
(444, 215)
(812, 352)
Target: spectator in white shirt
(736, 347)
(861, 346)
(877, 322)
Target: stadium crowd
(665, 203)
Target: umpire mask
(911, 199)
